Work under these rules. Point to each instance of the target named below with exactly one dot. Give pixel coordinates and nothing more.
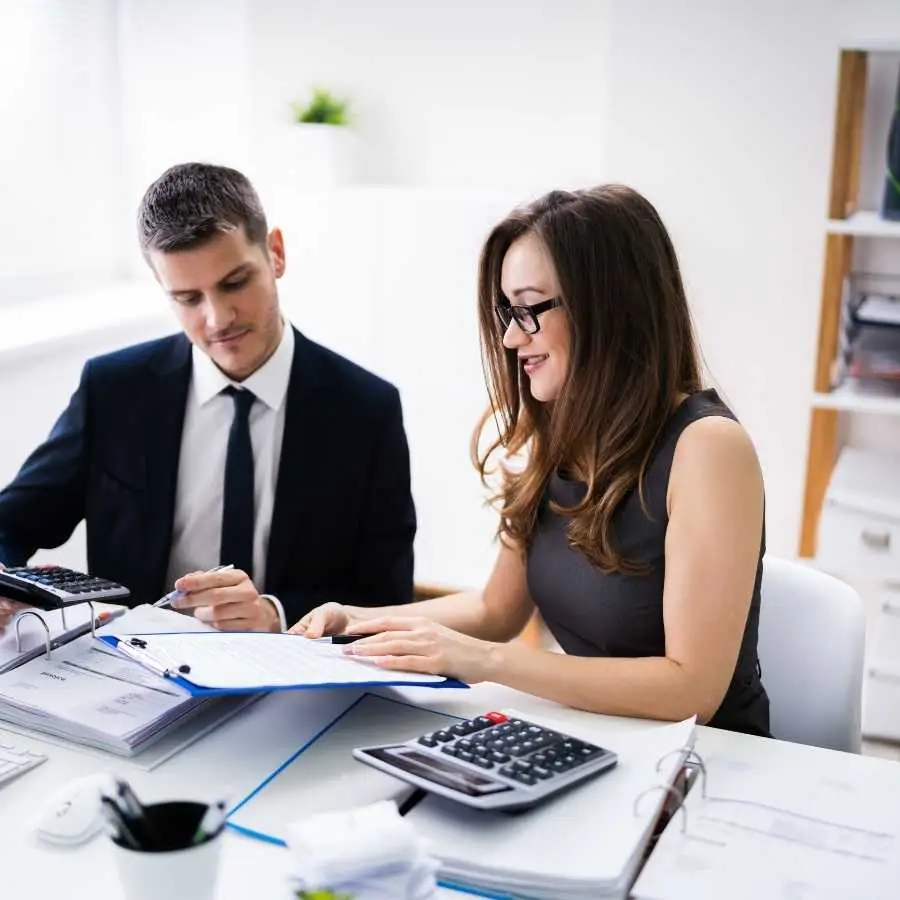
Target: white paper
(146, 619)
(97, 699)
(827, 825)
(368, 852)
(246, 660)
(62, 688)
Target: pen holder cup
(172, 865)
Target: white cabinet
(859, 527)
(881, 701)
(859, 537)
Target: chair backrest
(812, 632)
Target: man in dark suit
(237, 442)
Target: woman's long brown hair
(632, 356)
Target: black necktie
(237, 509)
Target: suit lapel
(304, 418)
(165, 423)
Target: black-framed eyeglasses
(526, 317)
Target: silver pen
(174, 595)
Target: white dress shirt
(197, 527)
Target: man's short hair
(191, 203)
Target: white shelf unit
(851, 516)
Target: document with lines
(103, 700)
(826, 824)
(249, 662)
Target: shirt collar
(269, 382)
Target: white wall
(184, 92)
(59, 153)
(498, 94)
(722, 113)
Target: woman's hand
(327, 619)
(420, 645)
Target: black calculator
(53, 586)
(492, 762)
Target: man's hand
(8, 608)
(227, 600)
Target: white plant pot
(321, 155)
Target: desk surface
(237, 755)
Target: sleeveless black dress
(591, 613)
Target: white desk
(30, 868)
(238, 755)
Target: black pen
(118, 823)
(346, 638)
(134, 813)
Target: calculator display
(441, 771)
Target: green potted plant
(322, 109)
(323, 150)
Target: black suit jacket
(343, 522)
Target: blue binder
(149, 651)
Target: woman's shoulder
(715, 448)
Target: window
(62, 221)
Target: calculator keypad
(513, 748)
(64, 581)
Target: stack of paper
(98, 699)
(586, 843)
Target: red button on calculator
(496, 718)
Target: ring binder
(690, 758)
(48, 644)
(817, 823)
(40, 618)
(669, 789)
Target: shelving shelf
(854, 396)
(864, 223)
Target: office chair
(812, 630)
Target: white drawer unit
(859, 526)
(883, 639)
(881, 701)
(881, 690)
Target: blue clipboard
(277, 841)
(137, 653)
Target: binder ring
(691, 757)
(669, 789)
(90, 604)
(40, 618)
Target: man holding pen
(238, 443)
